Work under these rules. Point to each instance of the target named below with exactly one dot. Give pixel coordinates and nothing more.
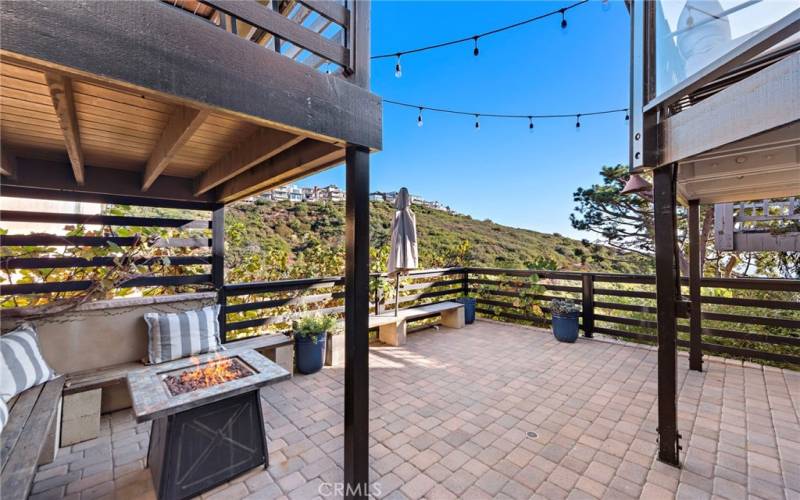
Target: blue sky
(501, 172)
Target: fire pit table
(207, 422)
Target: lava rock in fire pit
(214, 372)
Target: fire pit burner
(207, 422)
(217, 371)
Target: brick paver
(449, 416)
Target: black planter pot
(309, 352)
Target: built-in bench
(30, 437)
(392, 329)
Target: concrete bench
(83, 390)
(392, 329)
(29, 437)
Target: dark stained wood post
(356, 364)
(587, 306)
(667, 293)
(356, 314)
(695, 275)
(218, 265)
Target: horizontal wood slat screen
(178, 252)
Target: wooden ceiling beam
(262, 145)
(303, 159)
(8, 162)
(64, 104)
(181, 126)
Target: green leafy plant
(313, 326)
(559, 307)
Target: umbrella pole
(396, 294)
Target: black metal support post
(356, 368)
(695, 274)
(587, 306)
(667, 294)
(218, 265)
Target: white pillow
(22, 365)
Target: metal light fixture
(636, 184)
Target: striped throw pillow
(3, 414)
(177, 335)
(22, 365)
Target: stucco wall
(104, 333)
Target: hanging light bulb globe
(564, 23)
(475, 51)
(477, 122)
(398, 70)
(419, 118)
(578, 123)
(530, 124)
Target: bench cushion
(22, 365)
(178, 335)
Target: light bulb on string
(477, 122)
(530, 124)
(475, 51)
(419, 118)
(563, 20)
(627, 116)
(398, 70)
(578, 122)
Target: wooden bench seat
(83, 390)
(29, 432)
(392, 329)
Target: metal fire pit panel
(152, 399)
(201, 448)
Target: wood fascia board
(64, 104)
(761, 102)
(183, 123)
(275, 91)
(262, 145)
(57, 176)
(8, 162)
(305, 157)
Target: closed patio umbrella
(403, 255)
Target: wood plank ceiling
(51, 116)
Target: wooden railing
(756, 319)
(321, 30)
(182, 260)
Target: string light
(398, 70)
(529, 117)
(474, 38)
(627, 116)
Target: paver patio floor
(450, 416)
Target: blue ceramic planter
(565, 327)
(309, 355)
(469, 308)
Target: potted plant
(565, 320)
(310, 333)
